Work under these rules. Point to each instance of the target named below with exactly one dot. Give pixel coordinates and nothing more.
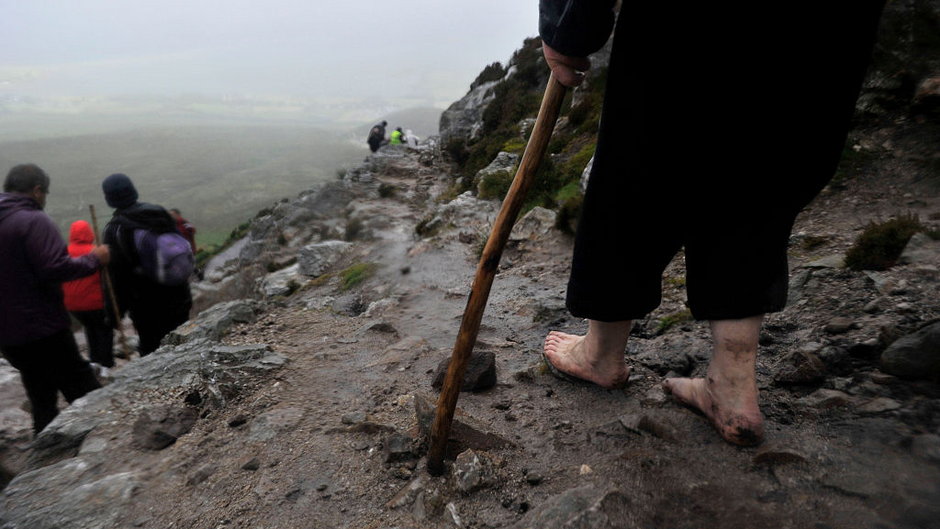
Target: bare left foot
(730, 405)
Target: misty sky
(425, 51)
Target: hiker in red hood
(35, 330)
(84, 298)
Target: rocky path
(331, 439)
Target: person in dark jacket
(84, 299)
(154, 309)
(35, 329)
(376, 137)
(785, 81)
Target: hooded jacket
(134, 290)
(576, 27)
(83, 294)
(34, 261)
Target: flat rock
(878, 405)
(315, 260)
(587, 507)
(823, 399)
(839, 325)
(921, 250)
(480, 373)
(926, 446)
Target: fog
(91, 56)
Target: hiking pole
(486, 270)
(111, 295)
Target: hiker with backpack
(151, 264)
(35, 329)
(84, 299)
(376, 137)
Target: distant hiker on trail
(410, 138)
(84, 299)
(35, 329)
(396, 138)
(765, 137)
(186, 229)
(377, 136)
(156, 306)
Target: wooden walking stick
(486, 270)
(112, 296)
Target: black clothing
(47, 366)
(155, 309)
(376, 137)
(100, 335)
(714, 135)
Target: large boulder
(463, 119)
(916, 355)
(316, 259)
(214, 322)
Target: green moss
(495, 185)
(671, 320)
(677, 282)
(356, 274)
(880, 245)
(492, 72)
(514, 145)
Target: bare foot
(731, 406)
(572, 355)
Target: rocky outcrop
(916, 355)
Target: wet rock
(799, 368)
(916, 355)
(463, 119)
(586, 175)
(586, 507)
(354, 417)
(839, 325)
(159, 427)
(316, 259)
(472, 470)
(201, 475)
(480, 373)
(878, 405)
(398, 447)
(874, 306)
(921, 250)
(407, 495)
(349, 304)
(464, 434)
(823, 399)
(534, 478)
(452, 515)
(214, 322)
(926, 446)
(536, 223)
(797, 284)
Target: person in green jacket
(396, 137)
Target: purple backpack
(167, 258)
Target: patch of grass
(812, 242)
(495, 185)
(678, 282)
(515, 145)
(356, 274)
(671, 320)
(880, 245)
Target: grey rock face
(280, 283)
(465, 211)
(533, 225)
(159, 427)
(586, 507)
(316, 259)
(916, 355)
(214, 322)
(464, 118)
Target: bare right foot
(575, 356)
(731, 407)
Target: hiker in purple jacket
(35, 329)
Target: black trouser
(100, 336)
(715, 133)
(153, 325)
(47, 366)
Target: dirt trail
(318, 459)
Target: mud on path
(310, 447)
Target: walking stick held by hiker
(486, 270)
(107, 281)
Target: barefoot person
(714, 134)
